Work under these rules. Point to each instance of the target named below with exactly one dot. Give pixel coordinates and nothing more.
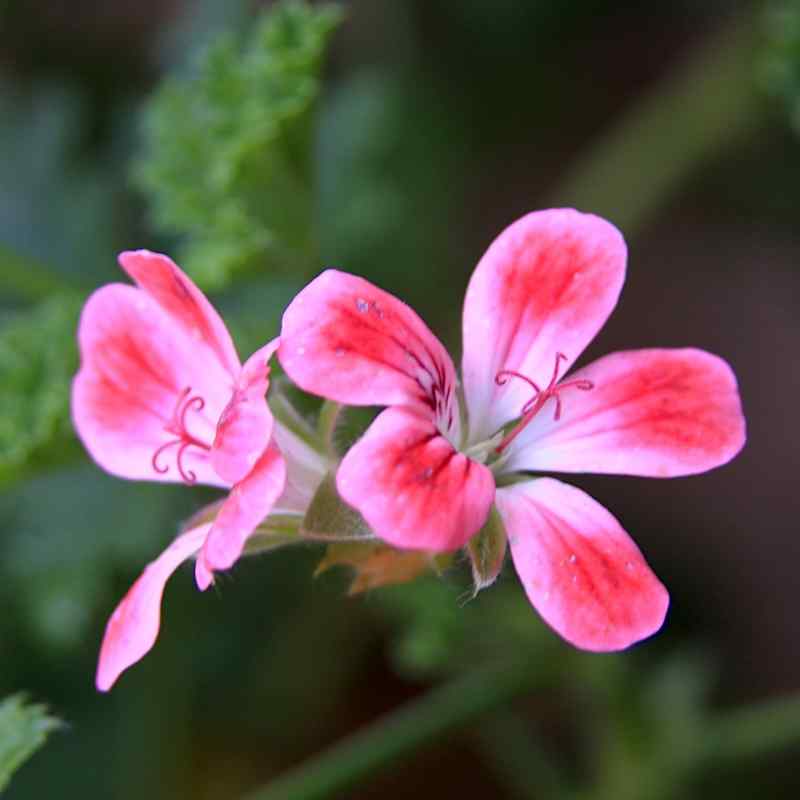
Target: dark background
(440, 123)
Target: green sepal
(487, 551)
(329, 518)
(277, 530)
(329, 417)
(377, 564)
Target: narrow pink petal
(174, 291)
(546, 285)
(656, 413)
(245, 427)
(345, 339)
(133, 627)
(580, 570)
(412, 487)
(248, 503)
(140, 378)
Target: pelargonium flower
(161, 395)
(428, 471)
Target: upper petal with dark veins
(176, 294)
(345, 339)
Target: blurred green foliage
(38, 357)
(228, 158)
(57, 207)
(24, 727)
(780, 62)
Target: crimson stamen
(533, 406)
(184, 439)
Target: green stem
(400, 733)
(692, 115)
(509, 743)
(752, 732)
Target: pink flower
(161, 395)
(426, 477)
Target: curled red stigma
(540, 397)
(183, 439)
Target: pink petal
(656, 413)
(580, 570)
(412, 487)
(248, 503)
(345, 339)
(133, 627)
(546, 285)
(174, 291)
(245, 427)
(139, 372)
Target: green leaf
(487, 551)
(227, 161)
(329, 518)
(38, 357)
(23, 730)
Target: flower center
(183, 439)
(540, 396)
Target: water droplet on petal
(573, 558)
(362, 305)
(339, 352)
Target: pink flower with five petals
(424, 477)
(161, 395)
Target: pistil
(184, 439)
(533, 406)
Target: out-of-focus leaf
(376, 564)
(487, 551)
(24, 728)
(111, 528)
(38, 358)
(56, 206)
(380, 177)
(25, 278)
(780, 62)
(227, 162)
